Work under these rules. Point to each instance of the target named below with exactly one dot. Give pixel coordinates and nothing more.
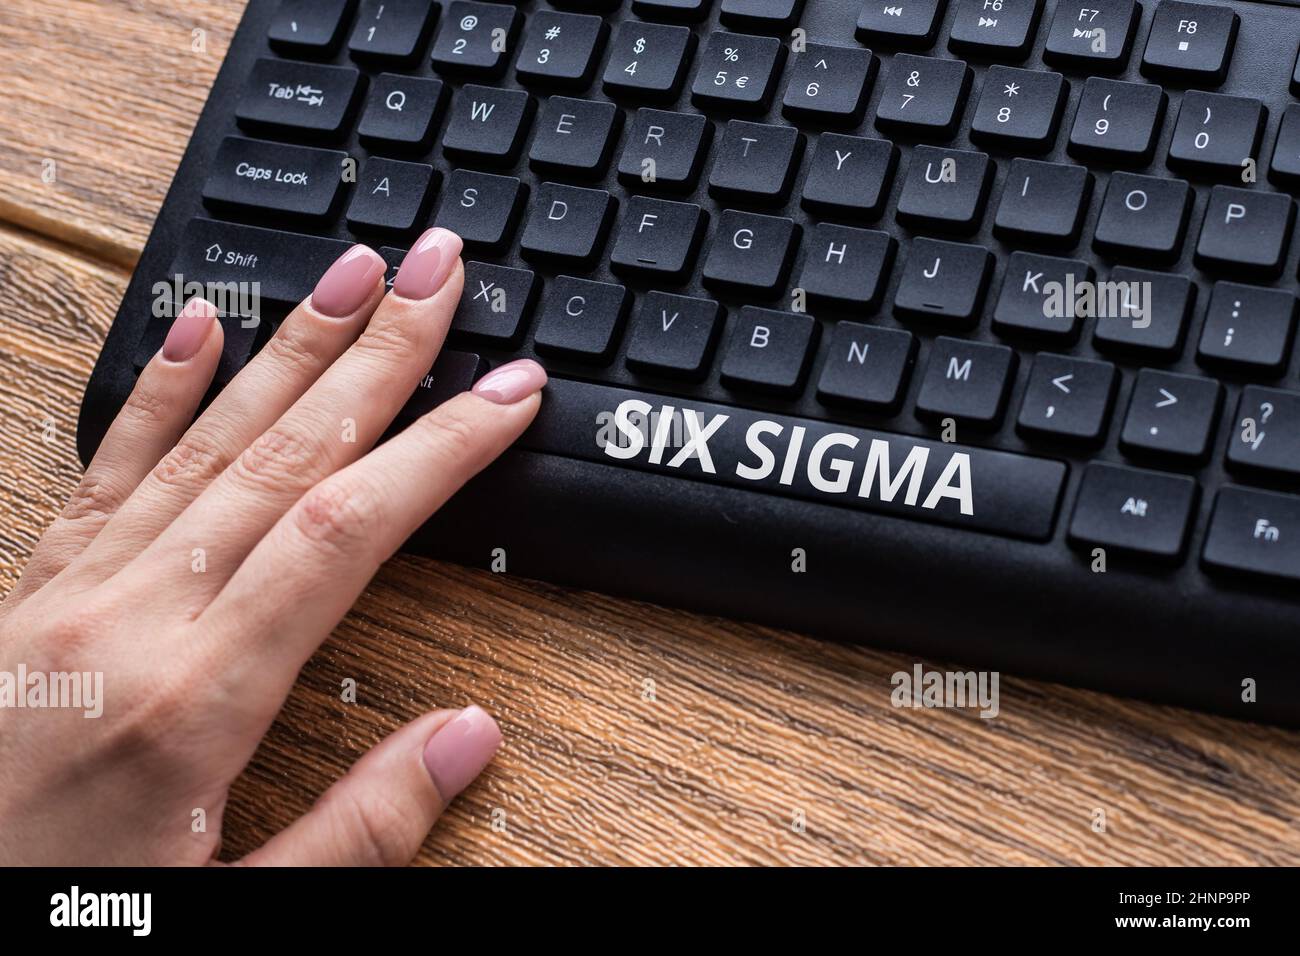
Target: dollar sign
(640, 45)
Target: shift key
(252, 175)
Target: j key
(913, 25)
(261, 177)
(1150, 316)
(1171, 415)
(1246, 232)
(1285, 167)
(1133, 510)
(495, 305)
(923, 97)
(1019, 109)
(1190, 43)
(581, 319)
(658, 238)
(755, 162)
(967, 381)
(866, 366)
(568, 223)
(944, 282)
(850, 177)
(945, 190)
(1254, 532)
(575, 136)
(401, 113)
(830, 84)
(392, 31)
(1143, 217)
(1039, 296)
(665, 150)
(673, 335)
(687, 11)
(1068, 398)
(452, 373)
(391, 196)
(1248, 327)
(487, 124)
(309, 27)
(768, 351)
(1118, 122)
(769, 15)
(560, 49)
(1266, 435)
(750, 253)
(648, 60)
(476, 39)
(1216, 134)
(847, 267)
(287, 97)
(1043, 204)
(1095, 36)
(481, 208)
(738, 71)
(1003, 30)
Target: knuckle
(375, 825)
(195, 461)
(300, 346)
(279, 457)
(336, 517)
(94, 497)
(145, 405)
(451, 433)
(400, 334)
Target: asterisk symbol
(1013, 89)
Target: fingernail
(347, 284)
(189, 330)
(459, 751)
(428, 264)
(512, 382)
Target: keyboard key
(665, 150)
(1171, 415)
(1216, 134)
(1068, 398)
(1190, 43)
(658, 239)
(1118, 122)
(560, 49)
(392, 31)
(738, 71)
(1254, 532)
(1265, 437)
(487, 125)
(750, 253)
(923, 97)
(481, 208)
(1149, 316)
(850, 176)
(1143, 217)
(866, 366)
(768, 351)
(402, 113)
(283, 97)
(309, 27)
(1095, 36)
(391, 196)
(575, 137)
(452, 373)
(755, 162)
(1019, 109)
(568, 223)
(769, 15)
(944, 282)
(476, 39)
(1144, 512)
(1040, 296)
(946, 190)
(648, 60)
(495, 305)
(967, 381)
(581, 319)
(913, 24)
(1003, 30)
(259, 177)
(1043, 203)
(1285, 166)
(673, 335)
(688, 11)
(847, 267)
(829, 85)
(1246, 232)
(242, 336)
(1248, 328)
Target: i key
(1095, 36)
(829, 84)
(673, 335)
(475, 39)
(1266, 435)
(1118, 122)
(995, 29)
(738, 71)
(648, 60)
(1143, 217)
(1246, 231)
(1171, 415)
(392, 31)
(944, 282)
(1216, 135)
(1043, 203)
(923, 96)
(560, 49)
(1249, 328)
(1019, 109)
(1068, 398)
(1190, 43)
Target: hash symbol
(552, 33)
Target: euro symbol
(396, 100)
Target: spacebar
(992, 491)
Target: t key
(923, 97)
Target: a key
(755, 162)
(944, 282)
(850, 177)
(309, 27)
(966, 381)
(581, 319)
(392, 32)
(768, 351)
(750, 253)
(452, 373)
(1249, 328)
(1094, 36)
(1068, 398)
(1171, 415)
(923, 97)
(673, 335)
(1143, 217)
(1043, 204)
(575, 137)
(658, 239)
(1019, 109)
(1265, 438)
(495, 305)
(770, 15)
(476, 39)
(487, 124)
(913, 25)
(687, 11)
(402, 113)
(995, 29)
(481, 208)
(1285, 166)
(946, 190)
(1151, 313)
(1190, 43)
(665, 150)
(568, 223)
(866, 366)
(391, 196)
(287, 98)
(1215, 135)
(1143, 512)
(847, 267)
(560, 49)
(1117, 122)
(648, 60)
(829, 85)
(738, 71)
(1254, 532)
(259, 177)
(1040, 296)
(1246, 232)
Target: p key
(1246, 231)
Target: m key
(967, 381)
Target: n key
(866, 366)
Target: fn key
(1255, 532)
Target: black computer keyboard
(964, 328)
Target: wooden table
(747, 726)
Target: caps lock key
(254, 176)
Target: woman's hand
(197, 567)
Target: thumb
(381, 811)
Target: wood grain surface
(745, 730)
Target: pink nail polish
(347, 284)
(428, 264)
(189, 330)
(459, 751)
(512, 382)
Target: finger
(381, 811)
(161, 405)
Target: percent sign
(732, 54)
